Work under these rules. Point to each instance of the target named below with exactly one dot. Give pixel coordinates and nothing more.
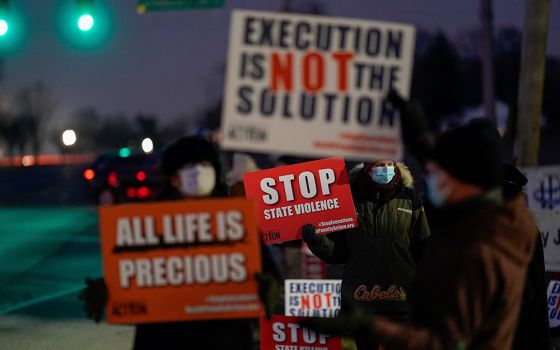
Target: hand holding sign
(309, 234)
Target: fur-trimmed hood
(406, 177)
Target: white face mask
(197, 180)
(437, 196)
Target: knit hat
(186, 150)
(471, 153)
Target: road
(45, 254)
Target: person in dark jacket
(533, 329)
(380, 255)
(467, 289)
(193, 171)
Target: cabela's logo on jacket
(376, 293)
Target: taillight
(112, 179)
(131, 192)
(89, 174)
(143, 192)
(140, 176)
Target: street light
(69, 137)
(147, 145)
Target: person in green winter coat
(380, 255)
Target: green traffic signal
(85, 25)
(125, 152)
(85, 22)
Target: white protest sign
(554, 304)
(307, 298)
(314, 85)
(549, 227)
(543, 187)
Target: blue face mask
(436, 197)
(383, 175)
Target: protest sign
(554, 304)
(285, 333)
(315, 86)
(543, 187)
(312, 298)
(549, 227)
(181, 260)
(314, 192)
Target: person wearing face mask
(381, 254)
(193, 171)
(467, 290)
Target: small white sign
(312, 298)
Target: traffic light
(85, 15)
(4, 17)
(85, 25)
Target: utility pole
(531, 81)
(487, 58)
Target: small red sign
(288, 197)
(285, 333)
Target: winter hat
(242, 163)
(186, 150)
(471, 153)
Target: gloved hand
(94, 297)
(354, 321)
(416, 133)
(309, 234)
(413, 121)
(269, 292)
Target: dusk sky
(168, 63)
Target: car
(117, 178)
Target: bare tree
(5, 122)
(35, 105)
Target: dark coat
(379, 253)
(467, 290)
(533, 329)
(216, 334)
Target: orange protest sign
(181, 260)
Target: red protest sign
(180, 260)
(314, 192)
(285, 333)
